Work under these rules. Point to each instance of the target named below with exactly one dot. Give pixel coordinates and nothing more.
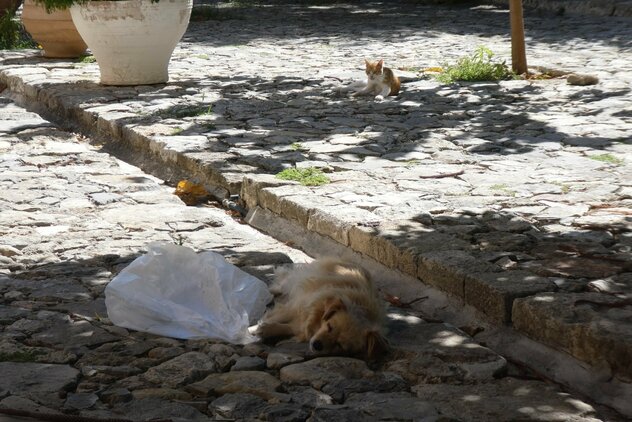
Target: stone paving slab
(490, 192)
(59, 353)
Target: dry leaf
(435, 69)
(397, 302)
(191, 193)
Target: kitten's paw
(379, 98)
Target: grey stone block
(494, 293)
(448, 269)
(589, 326)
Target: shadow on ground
(322, 19)
(268, 125)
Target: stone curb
(454, 271)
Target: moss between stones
(309, 176)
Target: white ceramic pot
(132, 40)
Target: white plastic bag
(172, 291)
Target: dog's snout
(317, 345)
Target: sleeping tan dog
(333, 305)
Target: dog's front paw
(273, 329)
(262, 330)
(277, 289)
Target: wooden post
(518, 52)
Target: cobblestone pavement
(73, 216)
(512, 197)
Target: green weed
(504, 189)
(607, 158)
(176, 131)
(309, 176)
(12, 34)
(87, 59)
(297, 146)
(563, 186)
(479, 66)
(183, 111)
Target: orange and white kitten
(381, 81)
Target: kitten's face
(374, 69)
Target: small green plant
(309, 176)
(297, 146)
(87, 59)
(479, 66)
(183, 111)
(607, 158)
(501, 187)
(176, 131)
(12, 33)
(563, 186)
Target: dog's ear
(376, 345)
(333, 305)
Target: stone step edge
(487, 289)
(484, 286)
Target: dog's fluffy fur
(330, 303)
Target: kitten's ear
(380, 63)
